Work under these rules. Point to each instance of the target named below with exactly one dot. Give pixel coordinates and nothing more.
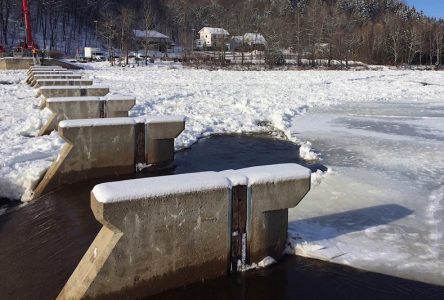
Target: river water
(42, 242)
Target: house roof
(151, 34)
(254, 38)
(213, 30)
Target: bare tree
(127, 18)
(148, 25)
(108, 32)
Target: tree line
(371, 31)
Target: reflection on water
(301, 278)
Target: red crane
(29, 42)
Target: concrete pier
(62, 82)
(44, 68)
(105, 147)
(30, 77)
(160, 138)
(45, 77)
(71, 108)
(166, 232)
(70, 91)
(16, 63)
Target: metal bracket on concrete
(239, 250)
(102, 108)
(139, 155)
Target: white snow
(274, 173)
(235, 178)
(266, 262)
(69, 87)
(73, 99)
(92, 98)
(159, 186)
(186, 183)
(96, 122)
(23, 158)
(161, 119)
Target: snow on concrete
(96, 122)
(187, 183)
(274, 173)
(161, 119)
(145, 188)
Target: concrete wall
(15, 63)
(71, 108)
(102, 147)
(70, 91)
(44, 68)
(62, 82)
(63, 63)
(43, 77)
(273, 215)
(166, 232)
(33, 73)
(160, 138)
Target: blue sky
(432, 8)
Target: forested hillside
(372, 31)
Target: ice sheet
(381, 208)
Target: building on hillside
(255, 41)
(236, 43)
(248, 42)
(152, 40)
(213, 38)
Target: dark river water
(42, 242)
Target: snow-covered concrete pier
(62, 82)
(71, 108)
(43, 77)
(70, 91)
(16, 63)
(105, 147)
(161, 233)
(44, 68)
(47, 72)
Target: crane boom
(29, 42)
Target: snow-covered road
(381, 132)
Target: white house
(214, 38)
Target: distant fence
(266, 58)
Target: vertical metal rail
(139, 155)
(239, 251)
(102, 108)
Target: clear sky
(432, 8)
